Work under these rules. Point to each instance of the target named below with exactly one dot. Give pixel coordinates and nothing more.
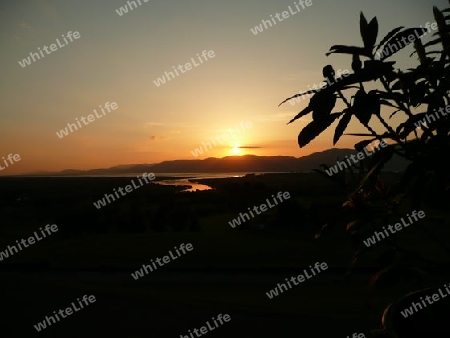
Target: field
(229, 270)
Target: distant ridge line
(229, 164)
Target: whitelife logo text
(225, 137)
(52, 47)
(90, 118)
(187, 66)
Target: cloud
(249, 147)
(151, 124)
(158, 138)
(24, 25)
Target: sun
(236, 150)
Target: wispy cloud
(170, 127)
(24, 25)
(153, 124)
(16, 37)
(158, 138)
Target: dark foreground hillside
(229, 271)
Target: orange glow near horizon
(236, 150)
(227, 106)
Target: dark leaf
(338, 85)
(322, 104)
(359, 134)
(401, 41)
(421, 52)
(435, 102)
(348, 87)
(440, 20)
(342, 125)
(387, 103)
(301, 94)
(356, 63)
(397, 97)
(369, 32)
(313, 129)
(363, 25)
(393, 114)
(365, 105)
(319, 234)
(389, 35)
(373, 102)
(413, 123)
(374, 69)
(360, 145)
(372, 34)
(372, 175)
(397, 85)
(341, 49)
(433, 42)
(304, 112)
(352, 225)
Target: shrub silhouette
(420, 97)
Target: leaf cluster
(412, 95)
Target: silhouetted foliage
(420, 94)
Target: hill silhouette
(245, 163)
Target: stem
(343, 98)
(399, 103)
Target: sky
(119, 58)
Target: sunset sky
(118, 58)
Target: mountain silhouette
(245, 163)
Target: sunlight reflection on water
(185, 182)
(198, 186)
